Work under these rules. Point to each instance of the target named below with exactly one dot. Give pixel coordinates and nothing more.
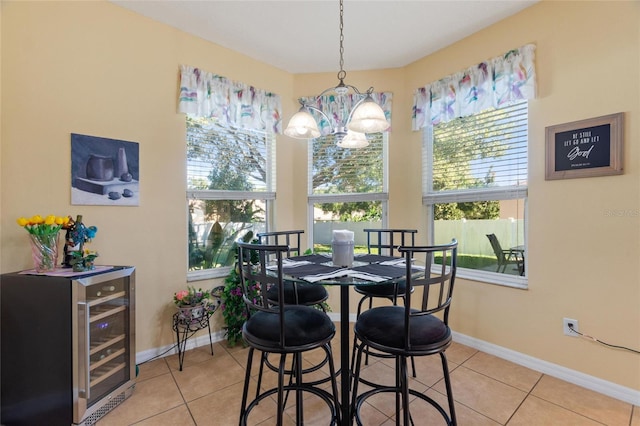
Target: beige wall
(582, 263)
(97, 69)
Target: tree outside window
(229, 186)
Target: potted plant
(192, 304)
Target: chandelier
(366, 116)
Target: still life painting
(104, 171)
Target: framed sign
(585, 148)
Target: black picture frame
(585, 148)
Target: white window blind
(480, 157)
(334, 170)
(229, 163)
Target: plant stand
(187, 327)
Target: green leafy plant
(234, 310)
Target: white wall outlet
(567, 330)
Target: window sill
(208, 274)
(507, 280)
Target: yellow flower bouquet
(43, 233)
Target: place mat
(387, 271)
(309, 269)
(313, 258)
(375, 258)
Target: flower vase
(44, 250)
(191, 312)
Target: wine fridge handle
(84, 350)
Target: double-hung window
(230, 145)
(475, 164)
(347, 188)
(230, 188)
(475, 183)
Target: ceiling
(302, 36)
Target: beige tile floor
(487, 391)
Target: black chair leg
(299, 395)
(281, 370)
(263, 359)
(399, 395)
(447, 382)
(334, 384)
(354, 390)
(366, 355)
(402, 390)
(413, 367)
(245, 391)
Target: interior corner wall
(583, 246)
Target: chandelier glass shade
(366, 116)
(302, 125)
(353, 140)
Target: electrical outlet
(567, 330)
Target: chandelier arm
(332, 89)
(311, 107)
(355, 107)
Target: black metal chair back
(419, 328)
(255, 280)
(437, 284)
(292, 239)
(386, 241)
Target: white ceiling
(302, 36)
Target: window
(475, 181)
(230, 188)
(347, 188)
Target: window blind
(222, 158)
(477, 158)
(335, 170)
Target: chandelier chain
(342, 73)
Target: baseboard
(595, 384)
(622, 393)
(193, 342)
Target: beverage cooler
(67, 345)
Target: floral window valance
(233, 103)
(492, 83)
(330, 105)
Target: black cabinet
(67, 345)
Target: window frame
(498, 193)
(382, 196)
(268, 196)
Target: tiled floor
(487, 390)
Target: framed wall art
(104, 172)
(585, 148)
